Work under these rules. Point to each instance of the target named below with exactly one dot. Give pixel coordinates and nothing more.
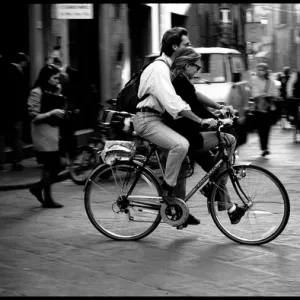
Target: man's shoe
(237, 214)
(52, 204)
(191, 220)
(35, 191)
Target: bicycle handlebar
(221, 124)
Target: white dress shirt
(156, 81)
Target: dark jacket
(296, 86)
(283, 78)
(184, 126)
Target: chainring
(176, 213)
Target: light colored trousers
(204, 159)
(151, 127)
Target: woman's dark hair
(172, 37)
(45, 74)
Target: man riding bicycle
(149, 121)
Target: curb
(61, 177)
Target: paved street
(48, 252)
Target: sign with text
(74, 11)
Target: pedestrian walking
(293, 93)
(284, 77)
(14, 105)
(264, 91)
(46, 108)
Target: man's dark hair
(57, 48)
(20, 57)
(172, 37)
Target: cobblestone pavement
(48, 252)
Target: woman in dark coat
(46, 108)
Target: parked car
(223, 77)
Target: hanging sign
(74, 11)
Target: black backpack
(128, 99)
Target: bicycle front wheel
(269, 213)
(113, 213)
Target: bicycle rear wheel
(115, 215)
(268, 215)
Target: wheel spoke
(112, 213)
(269, 206)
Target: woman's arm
(189, 114)
(207, 101)
(34, 106)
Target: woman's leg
(206, 161)
(37, 188)
(210, 141)
(50, 171)
(152, 128)
(261, 129)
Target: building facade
(280, 34)
(112, 45)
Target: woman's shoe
(37, 192)
(265, 153)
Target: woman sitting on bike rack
(202, 138)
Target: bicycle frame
(223, 157)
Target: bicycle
(110, 123)
(128, 205)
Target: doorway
(139, 19)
